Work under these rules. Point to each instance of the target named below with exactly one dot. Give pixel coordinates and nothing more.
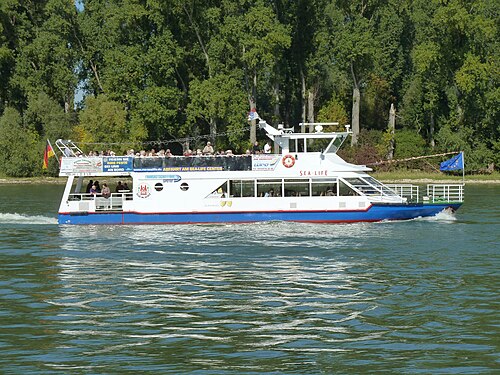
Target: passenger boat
(293, 184)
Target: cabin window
(296, 188)
(184, 186)
(269, 188)
(324, 188)
(242, 188)
(220, 192)
(346, 190)
(159, 186)
(363, 186)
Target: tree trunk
(303, 96)
(310, 106)
(431, 131)
(276, 100)
(392, 127)
(252, 101)
(356, 99)
(213, 131)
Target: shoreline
(385, 179)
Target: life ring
(288, 161)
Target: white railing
(435, 193)
(445, 192)
(408, 191)
(113, 203)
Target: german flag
(48, 153)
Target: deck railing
(408, 191)
(113, 203)
(445, 192)
(435, 193)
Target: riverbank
(417, 177)
(387, 177)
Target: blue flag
(453, 164)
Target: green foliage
(477, 155)
(408, 143)
(333, 111)
(21, 154)
(47, 117)
(160, 70)
(103, 121)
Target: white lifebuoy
(288, 161)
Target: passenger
(329, 193)
(106, 193)
(89, 186)
(119, 187)
(229, 153)
(93, 190)
(255, 148)
(161, 153)
(198, 152)
(270, 193)
(208, 150)
(188, 152)
(97, 186)
(267, 148)
(247, 152)
(168, 153)
(125, 187)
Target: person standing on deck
(267, 148)
(208, 150)
(89, 186)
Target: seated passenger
(106, 192)
(119, 187)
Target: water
(414, 297)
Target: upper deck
(75, 164)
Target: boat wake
(445, 215)
(15, 218)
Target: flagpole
(463, 169)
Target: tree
(103, 123)
(47, 63)
(21, 154)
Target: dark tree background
(116, 74)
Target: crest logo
(143, 190)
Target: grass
(420, 175)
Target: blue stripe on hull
(377, 212)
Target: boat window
(324, 188)
(346, 190)
(242, 188)
(184, 186)
(220, 192)
(363, 186)
(269, 188)
(159, 186)
(380, 186)
(296, 188)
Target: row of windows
(283, 188)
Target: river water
(415, 297)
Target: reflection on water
(406, 297)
